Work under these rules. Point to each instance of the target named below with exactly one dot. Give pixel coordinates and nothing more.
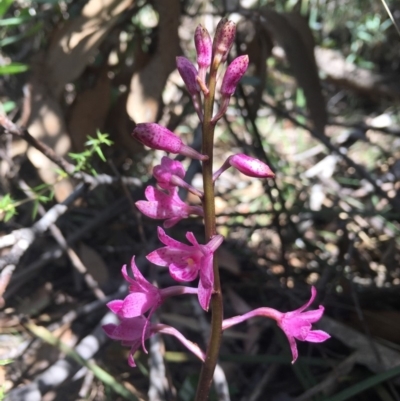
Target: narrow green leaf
(13, 68)
(14, 20)
(35, 209)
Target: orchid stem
(207, 371)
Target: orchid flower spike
(296, 325)
(233, 74)
(131, 330)
(169, 174)
(186, 262)
(156, 136)
(246, 165)
(160, 205)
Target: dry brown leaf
(73, 46)
(71, 49)
(89, 111)
(147, 85)
(337, 70)
(289, 32)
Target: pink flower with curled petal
(246, 165)
(156, 136)
(131, 331)
(164, 172)
(143, 295)
(296, 325)
(186, 262)
(160, 205)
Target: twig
(73, 256)
(56, 252)
(8, 126)
(26, 236)
(361, 171)
(56, 374)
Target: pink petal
(313, 315)
(128, 329)
(170, 242)
(134, 348)
(204, 295)
(192, 239)
(166, 256)
(317, 336)
(139, 276)
(186, 273)
(310, 301)
(171, 222)
(149, 193)
(295, 327)
(115, 305)
(293, 348)
(136, 304)
(174, 166)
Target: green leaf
(8, 106)
(35, 209)
(4, 6)
(100, 153)
(15, 20)
(13, 68)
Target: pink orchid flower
(130, 332)
(164, 172)
(143, 295)
(186, 262)
(160, 205)
(169, 175)
(296, 324)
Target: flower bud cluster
(189, 262)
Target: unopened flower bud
(246, 165)
(188, 73)
(156, 136)
(223, 41)
(203, 43)
(250, 166)
(233, 74)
